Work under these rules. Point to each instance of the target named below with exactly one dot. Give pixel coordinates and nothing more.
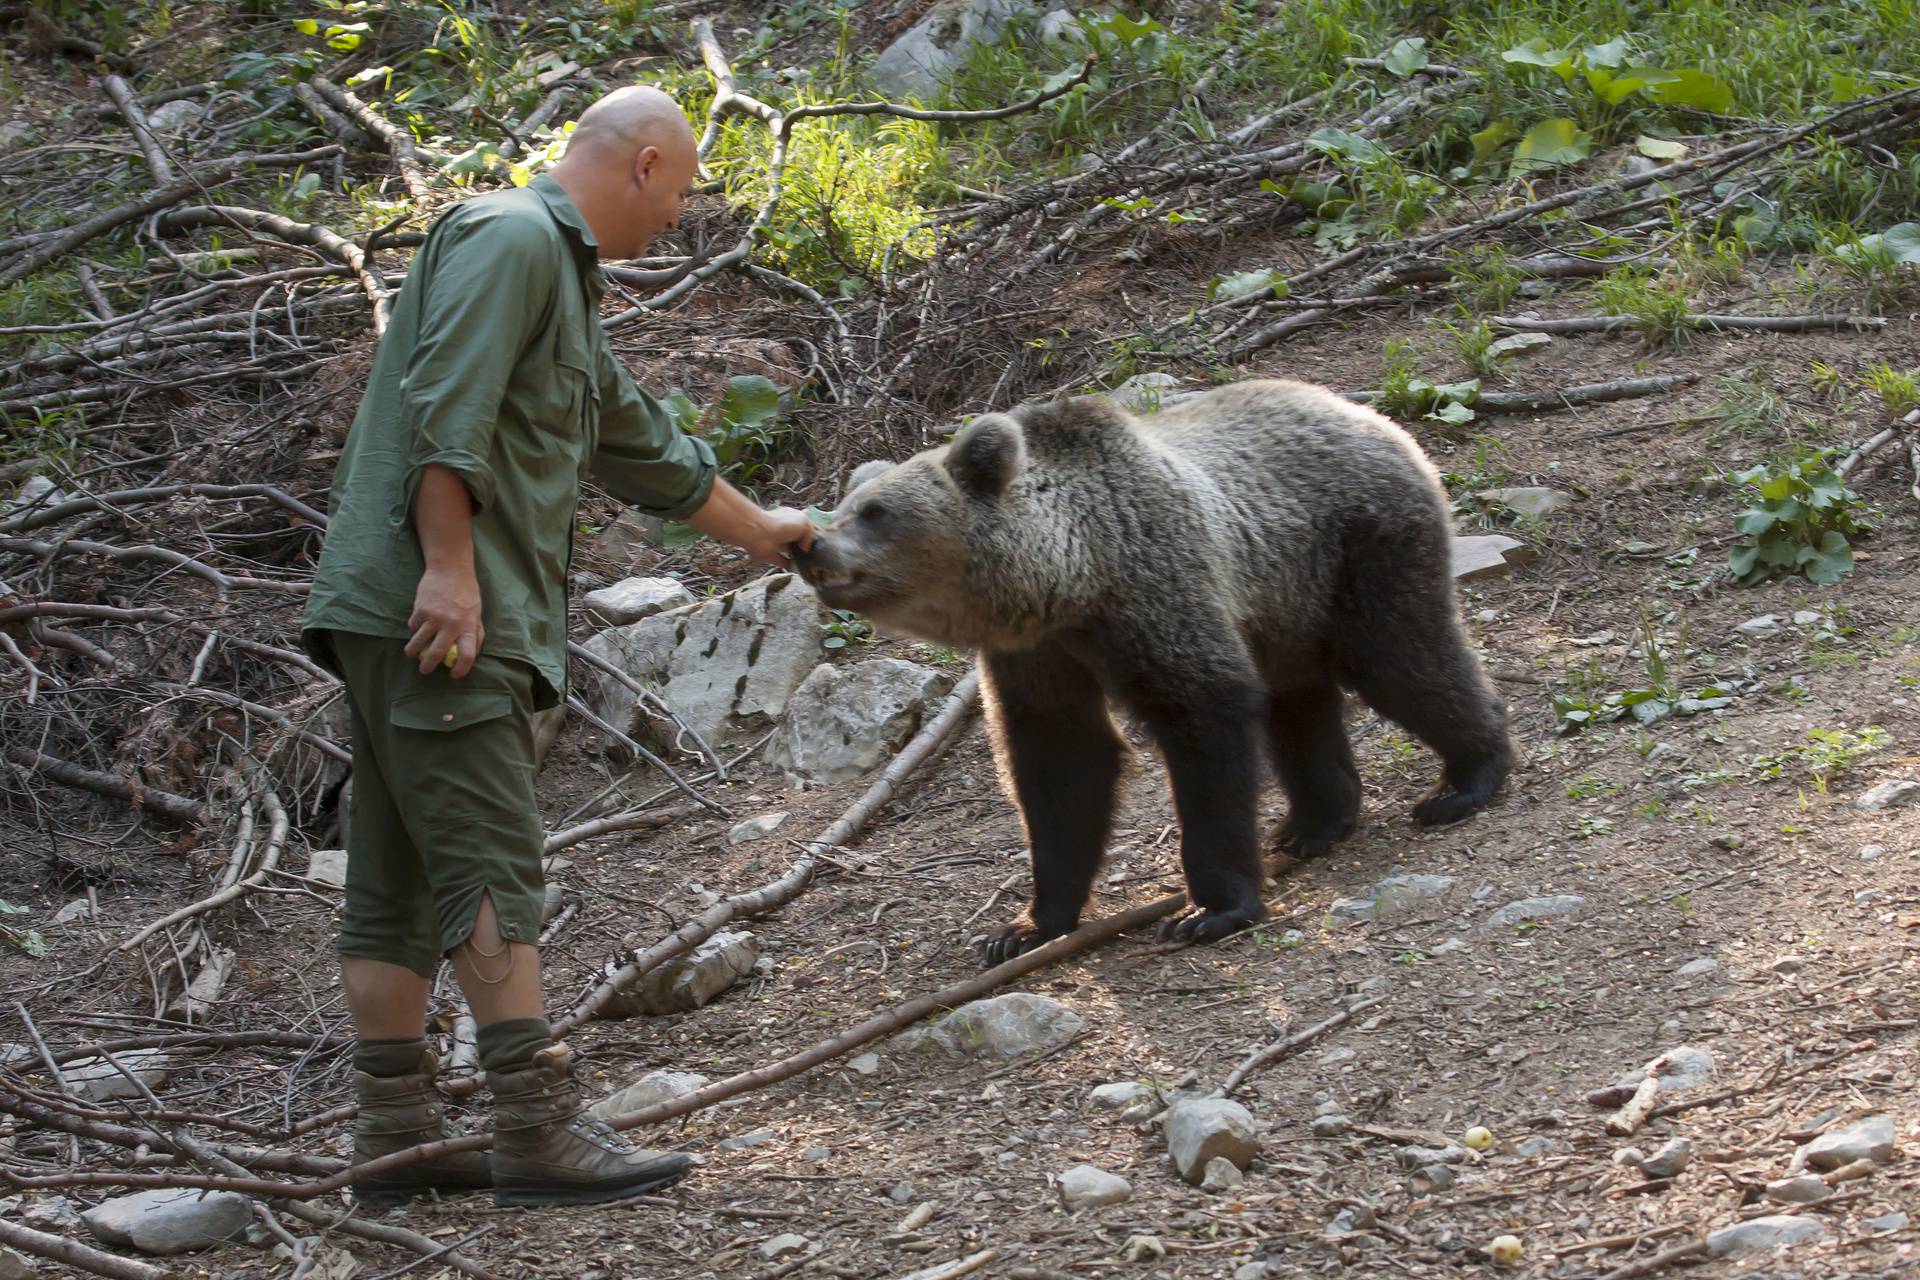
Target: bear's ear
(867, 471)
(987, 454)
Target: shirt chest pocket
(570, 409)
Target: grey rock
(1429, 1178)
(1887, 1222)
(1698, 968)
(1872, 852)
(1534, 503)
(15, 1265)
(1806, 617)
(97, 1079)
(1418, 1157)
(925, 57)
(169, 1220)
(694, 979)
(1869, 1139)
(1397, 894)
(172, 118)
(1251, 1271)
(1893, 794)
(1486, 555)
(1535, 1147)
(75, 911)
(649, 1090)
(756, 828)
(1550, 907)
(328, 867)
(844, 722)
(629, 533)
(12, 1055)
(1805, 1189)
(1765, 625)
(900, 1193)
(732, 660)
(631, 599)
(1352, 1220)
(1330, 1126)
(783, 1245)
(37, 491)
(1513, 346)
(1085, 1187)
(1060, 29)
(747, 1141)
(815, 1154)
(1144, 392)
(1669, 1160)
(55, 1214)
(1685, 1067)
(1755, 1234)
(867, 1064)
(1001, 1027)
(1788, 965)
(1119, 1096)
(1200, 1130)
(1221, 1174)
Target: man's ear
(645, 161)
(987, 454)
(867, 471)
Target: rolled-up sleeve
(644, 459)
(489, 280)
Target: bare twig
(269, 859)
(1616, 324)
(140, 796)
(336, 246)
(412, 160)
(136, 119)
(1292, 1044)
(67, 1250)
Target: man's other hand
(446, 614)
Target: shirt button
(446, 717)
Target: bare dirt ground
(1679, 845)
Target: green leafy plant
(844, 626)
(1898, 390)
(743, 426)
(1804, 522)
(1826, 752)
(1656, 700)
(27, 940)
(1658, 304)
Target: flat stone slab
(1552, 906)
(649, 1090)
(1773, 1232)
(1487, 555)
(631, 599)
(1001, 1027)
(1869, 1139)
(169, 1220)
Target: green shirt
(494, 365)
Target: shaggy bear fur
(1222, 570)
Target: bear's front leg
(1211, 745)
(1061, 755)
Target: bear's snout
(823, 566)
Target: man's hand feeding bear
(1221, 570)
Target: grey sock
(509, 1044)
(388, 1057)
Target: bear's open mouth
(832, 577)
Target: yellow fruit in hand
(1478, 1138)
(453, 656)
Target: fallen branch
(197, 180)
(1627, 1121)
(789, 886)
(344, 130)
(1281, 1048)
(632, 821)
(1616, 324)
(127, 497)
(136, 119)
(67, 1250)
(150, 799)
(236, 887)
(1873, 444)
(578, 705)
(1658, 1262)
(1591, 393)
(336, 246)
(408, 156)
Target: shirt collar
(579, 234)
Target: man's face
(661, 177)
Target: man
(441, 600)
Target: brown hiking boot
(547, 1150)
(397, 1112)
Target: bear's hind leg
(1060, 757)
(1310, 750)
(1433, 686)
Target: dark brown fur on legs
(1223, 570)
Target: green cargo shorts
(444, 813)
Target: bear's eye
(873, 511)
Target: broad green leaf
(1452, 413)
(13, 909)
(675, 534)
(1128, 30)
(1463, 392)
(1652, 711)
(1349, 146)
(1552, 143)
(1538, 53)
(1832, 561)
(1744, 560)
(477, 159)
(1407, 56)
(1611, 54)
(1843, 87)
(359, 78)
(1754, 521)
(1691, 87)
(306, 26)
(1896, 245)
(1492, 138)
(1659, 148)
(750, 400)
(1245, 284)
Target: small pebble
(1331, 1126)
(1805, 1189)
(1669, 1160)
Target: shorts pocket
(444, 710)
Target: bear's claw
(1202, 926)
(1008, 941)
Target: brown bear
(1221, 570)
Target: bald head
(631, 118)
(630, 159)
